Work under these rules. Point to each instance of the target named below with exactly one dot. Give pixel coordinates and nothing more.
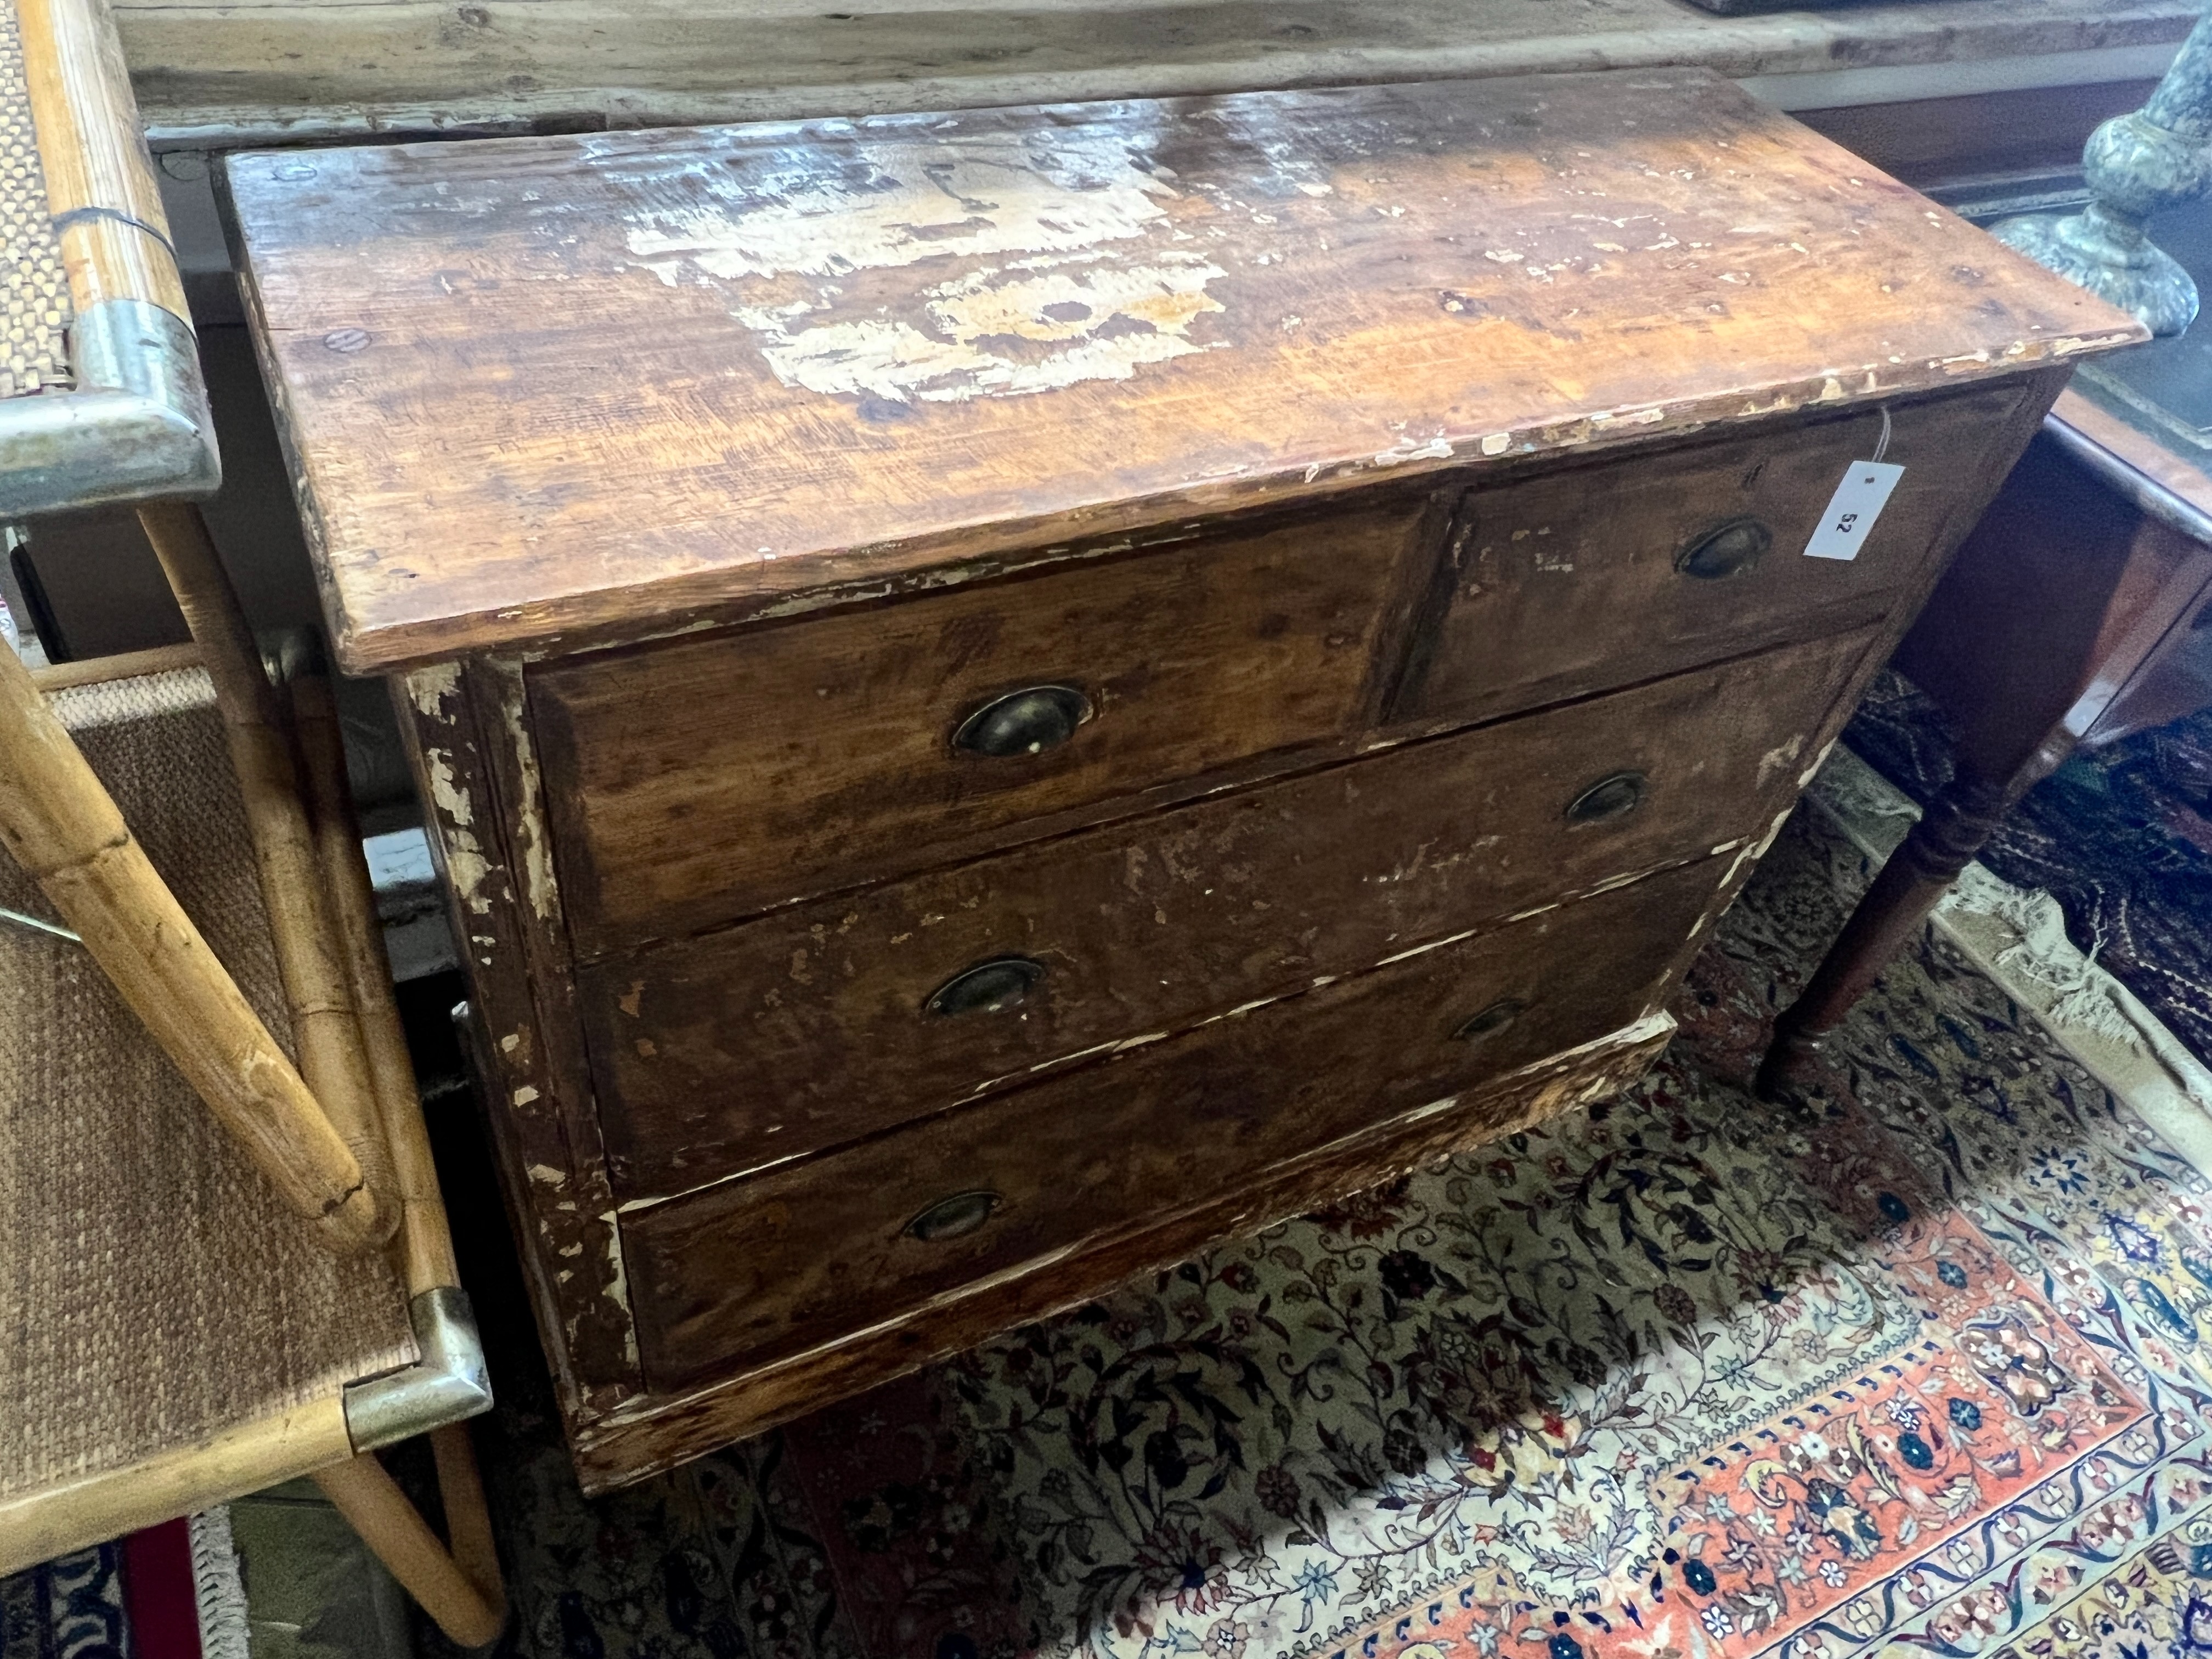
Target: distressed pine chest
(1006, 694)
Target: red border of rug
(159, 1597)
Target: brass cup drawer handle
(1726, 549)
(1489, 1022)
(952, 1218)
(987, 987)
(1614, 796)
(1025, 722)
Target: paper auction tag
(1852, 510)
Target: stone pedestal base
(2111, 257)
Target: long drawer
(715, 777)
(1608, 573)
(834, 1020)
(769, 1265)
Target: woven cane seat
(34, 304)
(153, 1291)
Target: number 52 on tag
(1853, 508)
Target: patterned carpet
(2121, 838)
(1678, 1378)
(69, 1608)
(169, 1592)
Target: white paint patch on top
(907, 202)
(1083, 283)
(951, 356)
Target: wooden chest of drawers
(1007, 694)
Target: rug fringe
(2044, 954)
(218, 1590)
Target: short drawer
(707, 780)
(1606, 575)
(837, 1019)
(752, 1270)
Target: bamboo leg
(425, 1246)
(468, 1518)
(398, 1536)
(315, 984)
(65, 829)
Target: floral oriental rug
(1925, 1367)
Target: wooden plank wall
(213, 70)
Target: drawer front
(717, 777)
(821, 1024)
(755, 1269)
(1609, 574)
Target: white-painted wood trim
(1896, 82)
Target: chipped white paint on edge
(1779, 756)
(616, 1288)
(786, 248)
(1439, 448)
(1756, 850)
(1811, 771)
(538, 887)
(466, 864)
(428, 688)
(1651, 1028)
(466, 867)
(1749, 856)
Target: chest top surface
(548, 389)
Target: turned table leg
(1945, 840)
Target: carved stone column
(2158, 156)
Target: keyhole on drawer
(952, 1218)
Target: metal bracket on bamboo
(136, 425)
(449, 1384)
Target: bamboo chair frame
(332, 1439)
(135, 425)
(340, 1136)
